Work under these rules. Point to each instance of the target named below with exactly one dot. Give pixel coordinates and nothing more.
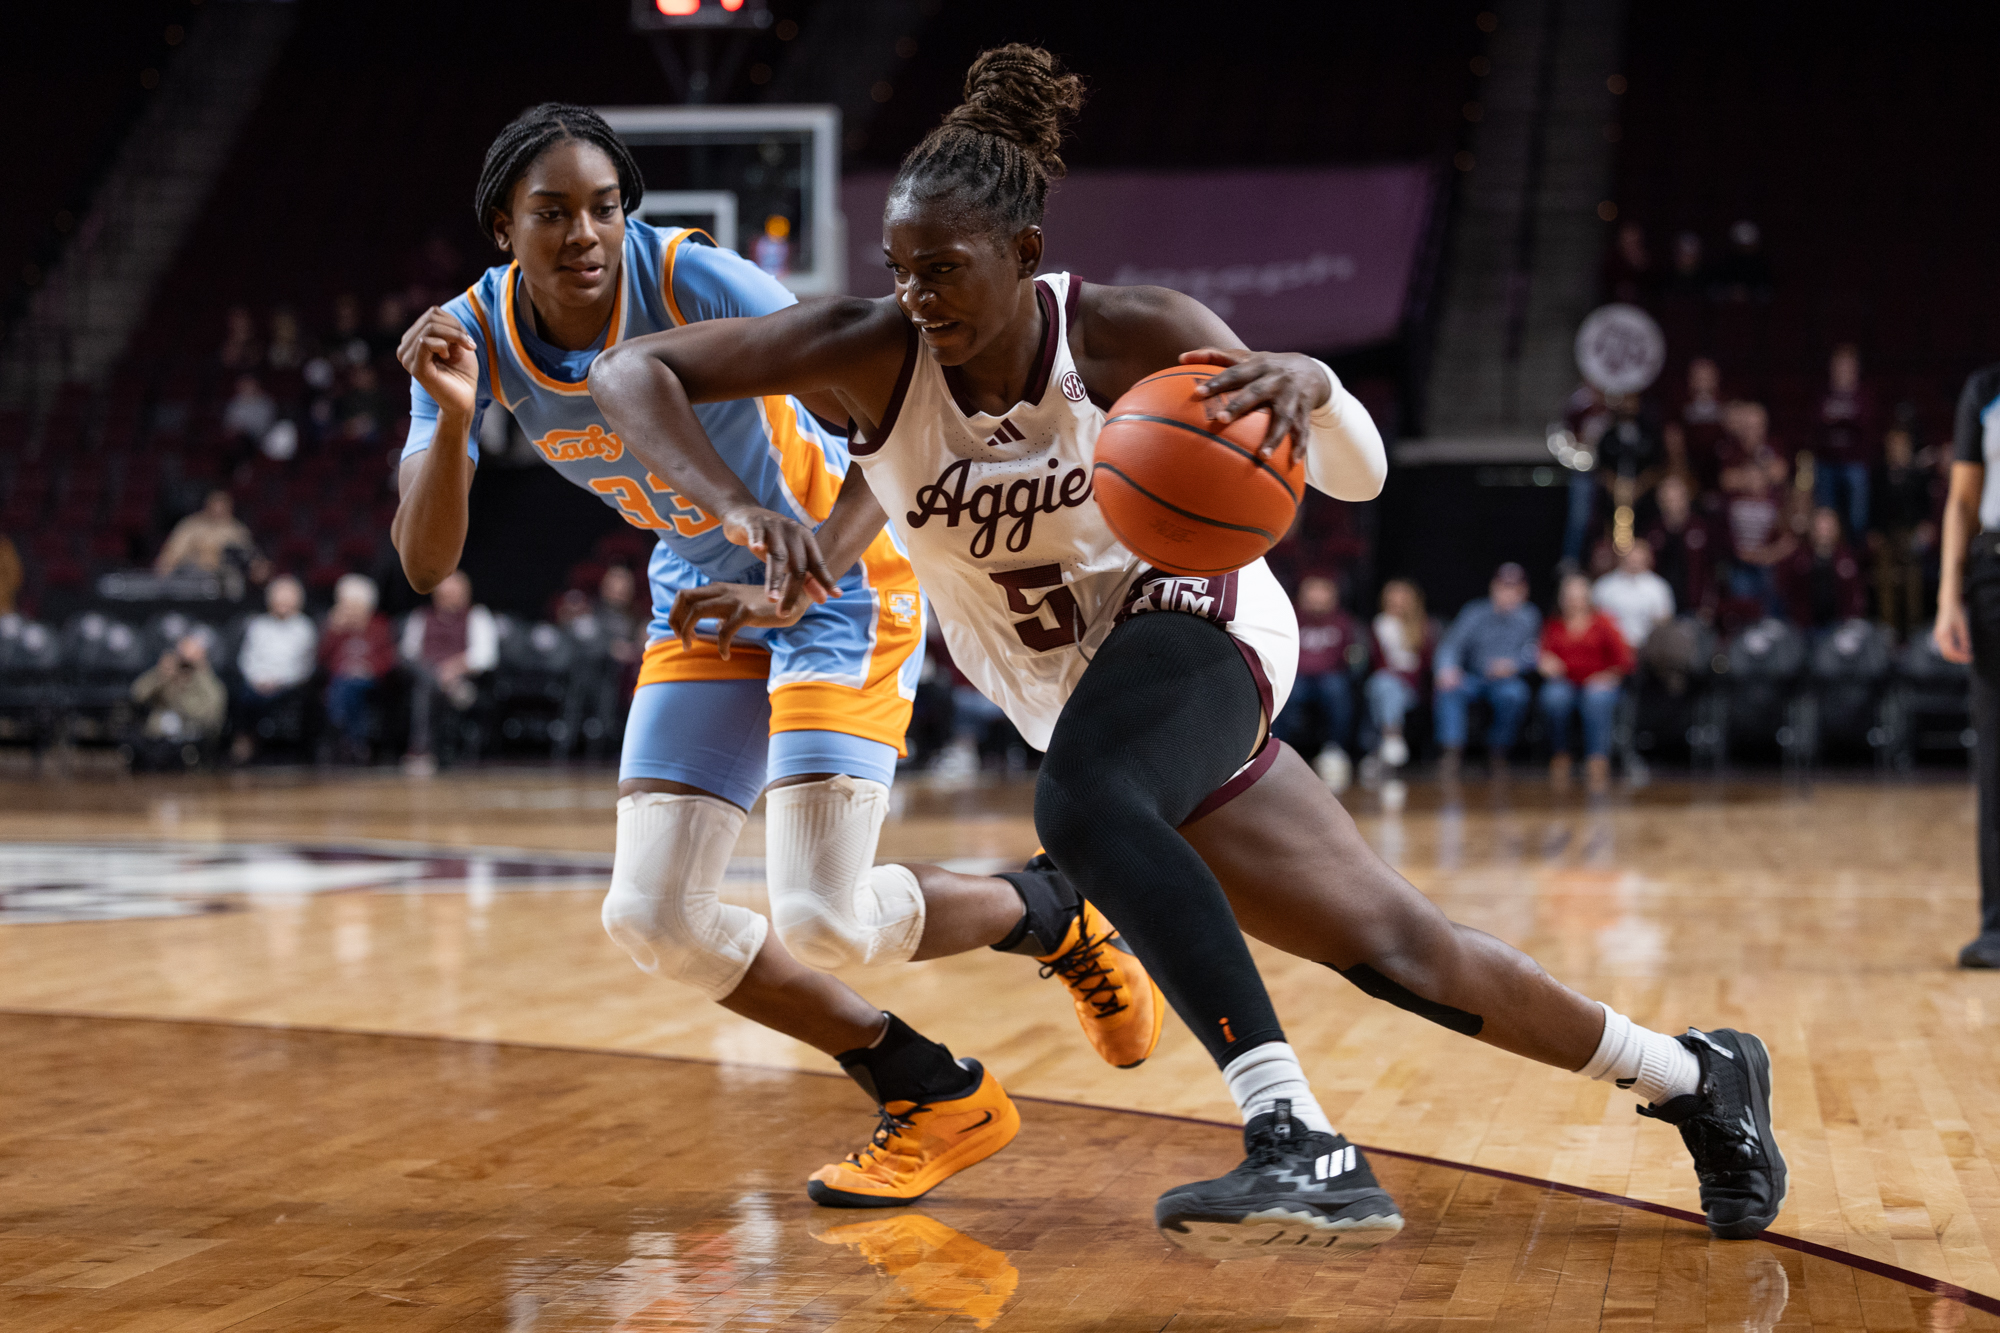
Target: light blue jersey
(849, 666)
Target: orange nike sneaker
(941, 1269)
(1119, 1007)
(917, 1146)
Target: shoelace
(888, 1125)
(1716, 1139)
(1084, 962)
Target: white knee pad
(664, 907)
(832, 905)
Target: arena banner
(1307, 259)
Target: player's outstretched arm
(1145, 329)
(647, 389)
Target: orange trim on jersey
(617, 327)
(800, 461)
(668, 258)
(877, 711)
(492, 361)
(666, 660)
(819, 705)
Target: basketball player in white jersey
(977, 392)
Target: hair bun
(1021, 93)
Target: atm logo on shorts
(903, 606)
(1210, 598)
(577, 446)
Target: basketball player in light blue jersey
(737, 692)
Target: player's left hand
(1289, 384)
(733, 606)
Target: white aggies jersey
(1002, 526)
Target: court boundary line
(1950, 1291)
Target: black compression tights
(1164, 714)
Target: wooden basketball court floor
(284, 1051)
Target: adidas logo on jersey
(1008, 433)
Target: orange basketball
(1186, 494)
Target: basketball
(1186, 494)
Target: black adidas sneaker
(1297, 1190)
(1726, 1125)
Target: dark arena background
(307, 1018)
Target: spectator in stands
(10, 575)
(1689, 275)
(1636, 598)
(356, 653)
(205, 539)
(1317, 719)
(343, 344)
(1629, 273)
(1627, 453)
(1844, 443)
(1693, 437)
(1903, 528)
(1822, 577)
(623, 617)
(185, 705)
(447, 646)
(572, 606)
(250, 412)
(1404, 640)
(1754, 510)
(1584, 660)
(276, 661)
(241, 348)
(288, 345)
(1745, 272)
(390, 321)
(1484, 655)
(358, 412)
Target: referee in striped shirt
(1968, 621)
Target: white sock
(1654, 1066)
(1263, 1075)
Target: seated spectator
(185, 705)
(1627, 454)
(241, 349)
(1316, 720)
(343, 343)
(204, 539)
(448, 646)
(1404, 639)
(624, 617)
(572, 606)
(11, 575)
(1628, 271)
(1688, 277)
(1634, 596)
(250, 412)
(1696, 431)
(276, 661)
(1823, 579)
(390, 322)
(288, 346)
(1484, 655)
(1744, 273)
(1759, 539)
(359, 411)
(1844, 444)
(356, 652)
(1584, 660)
(1902, 517)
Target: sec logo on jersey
(1072, 386)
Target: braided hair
(532, 133)
(997, 151)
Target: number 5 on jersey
(1057, 603)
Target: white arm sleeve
(1344, 454)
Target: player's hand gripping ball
(1186, 494)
